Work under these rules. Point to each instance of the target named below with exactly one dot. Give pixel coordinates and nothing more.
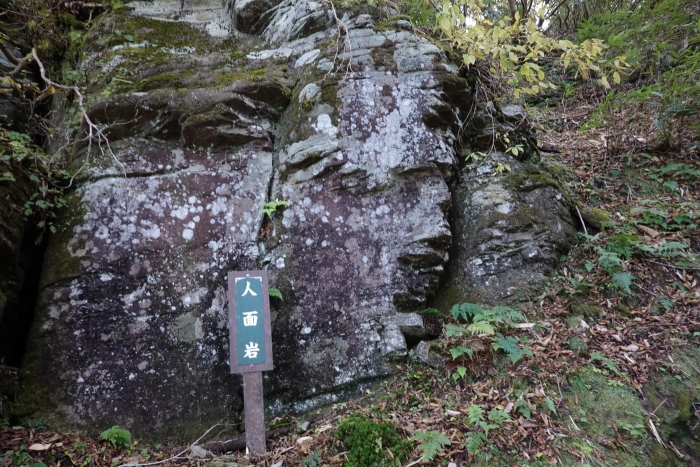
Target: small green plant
(607, 362)
(636, 430)
(117, 436)
(431, 442)
(19, 457)
(484, 323)
(275, 292)
(509, 345)
(80, 446)
(367, 442)
(312, 460)
(476, 416)
(271, 207)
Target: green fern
(271, 207)
(275, 292)
(466, 311)
(671, 249)
(458, 351)
(117, 436)
(481, 328)
(550, 405)
(509, 345)
(475, 414)
(431, 444)
(497, 415)
(474, 442)
(623, 280)
(453, 330)
(609, 261)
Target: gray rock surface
(510, 229)
(356, 132)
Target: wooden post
(254, 415)
(250, 347)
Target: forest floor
(604, 369)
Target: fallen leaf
(39, 447)
(649, 231)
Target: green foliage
(620, 243)
(312, 460)
(486, 422)
(432, 313)
(275, 292)
(271, 207)
(117, 436)
(499, 315)
(367, 441)
(431, 442)
(660, 40)
(483, 323)
(509, 345)
(44, 175)
(607, 362)
(550, 405)
(510, 50)
(18, 457)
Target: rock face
(358, 133)
(510, 229)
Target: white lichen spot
(187, 234)
(180, 212)
(324, 125)
(106, 277)
(306, 330)
(279, 263)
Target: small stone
(424, 355)
(198, 451)
(303, 426)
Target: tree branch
(94, 133)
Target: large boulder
(357, 132)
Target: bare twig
(19, 63)
(94, 133)
(658, 407)
(176, 456)
(581, 219)
(671, 265)
(348, 47)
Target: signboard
(249, 322)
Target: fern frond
(623, 280)
(481, 328)
(466, 311)
(455, 331)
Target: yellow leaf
(616, 77)
(540, 74)
(604, 81)
(468, 59)
(50, 90)
(584, 73)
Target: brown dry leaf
(649, 231)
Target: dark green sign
(249, 321)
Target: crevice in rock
(18, 315)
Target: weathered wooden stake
(250, 347)
(254, 415)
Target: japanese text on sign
(249, 322)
